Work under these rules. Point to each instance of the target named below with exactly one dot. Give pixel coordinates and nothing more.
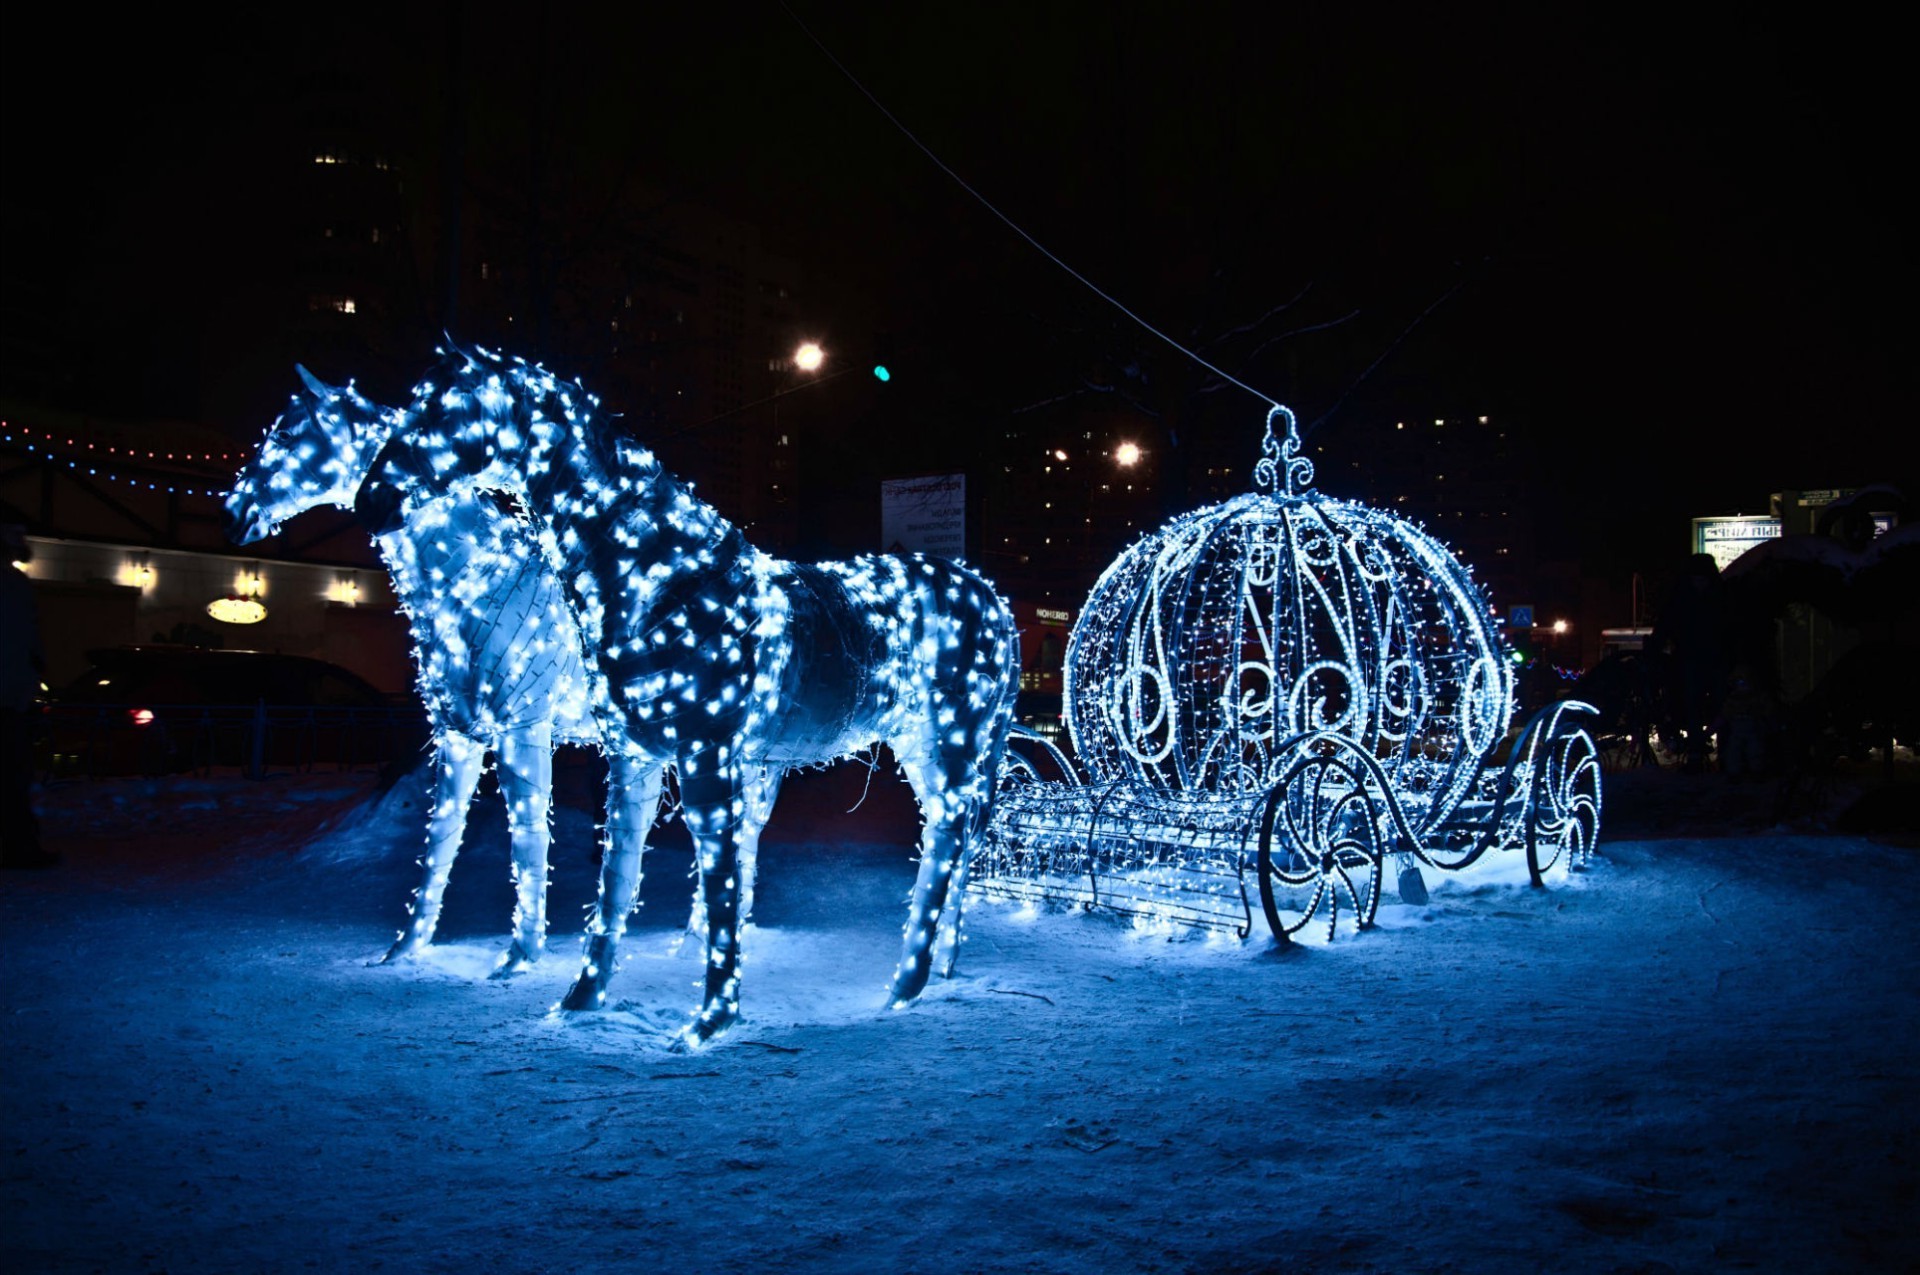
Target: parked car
(161, 709)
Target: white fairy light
(1293, 687)
(1228, 631)
(496, 650)
(712, 658)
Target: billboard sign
(924, 515)
(1725, 539)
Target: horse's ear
(315, 386)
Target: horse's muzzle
(245, 528)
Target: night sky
(1666, 245)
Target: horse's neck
(615, 494)
(439, 548)
(633, 547)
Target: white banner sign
(1727, 538)
(924, 515)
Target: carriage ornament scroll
(1288, 695)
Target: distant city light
(1127, 454)
(809, 357)
(1059, 454)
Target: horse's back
(869, 639)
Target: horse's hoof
(707, 1026)
(513, 961)
(907, 988)
(585, 994)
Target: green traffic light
(880, 373)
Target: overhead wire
(1009, 222)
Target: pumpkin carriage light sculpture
(1294, 689)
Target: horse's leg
(951, 931)
(456, 769)
(945, 781)
(526, 781)
(633, 795)
(721, 819)
(762, 788)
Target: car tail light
(141, 716)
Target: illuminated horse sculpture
(498, 654)
(721, 662)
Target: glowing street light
(809, 356)
(1127, 454)
(1560, 626)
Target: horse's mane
(511, 389)
(479, 374)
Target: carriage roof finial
(1280, 461)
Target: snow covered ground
(1702, 1055)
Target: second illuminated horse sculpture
(497, 652)
(708, 656)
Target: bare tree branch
(1230, 333)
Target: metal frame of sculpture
(496, 651)
(1292, 689)
(707, 655)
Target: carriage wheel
(1563, 806)
(1319, 852)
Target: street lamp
(809, 357)
(1127, 454)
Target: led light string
(496, 652)
(1295, 689)
(713, 660)
(94, 471)
(7, 428)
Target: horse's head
(315, 454)
(475, 428)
